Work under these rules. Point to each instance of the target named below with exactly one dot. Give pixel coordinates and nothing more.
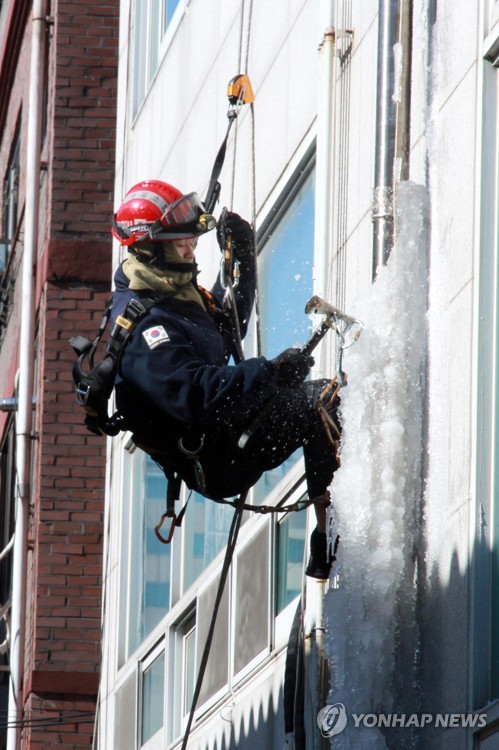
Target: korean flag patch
(155, 336)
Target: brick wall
(65, 563)
(84, 118)
(63, 613)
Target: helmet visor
(185, 210)
(186, 217)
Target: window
(189, 666)
(154, 575)
(10, 218)
(182, 673)
(153, 19)
(145, 569)
(125, 717)
(252, 605)
(486, 543)
(7, 501)
(285, 266)
(153, 697)
(205, 529)
(291, 540)
(217, 668)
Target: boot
(320, 560)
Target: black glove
(243, 238)
(292, 367)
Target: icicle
(376, 492)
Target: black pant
(290, 420)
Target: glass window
(145, 569)
(217, 668)
(7, 503)
(291, 539)
(153, 698)
(152, 20)
(10, 218)
(206, 526)
(285, 266)
(251, 632)
(125, 717)
(169, 9)
(486, 548)
(11, 193)
(189, 666)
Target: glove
(292, 367)
(243, 238)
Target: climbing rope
(229, 553)
(244, 67)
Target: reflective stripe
(148, 195)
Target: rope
(229, 552)
(253, 161)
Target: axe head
(319, 306)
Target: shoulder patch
(155, 336)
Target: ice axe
(348, 330)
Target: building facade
(58, 65)
(368, 164)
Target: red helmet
(153, 210)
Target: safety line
(229, 552)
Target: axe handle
(317, 336)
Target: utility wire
(69, 717)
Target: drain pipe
(402, 93)
(26, 368)
(382, 215)
(324, 184)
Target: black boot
(321, 559)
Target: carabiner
(172, 528)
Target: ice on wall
(376, 492)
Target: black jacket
(174, 375)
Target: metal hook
(172, 528)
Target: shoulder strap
(93, 388)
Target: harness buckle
(82, 393)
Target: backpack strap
(94, 387)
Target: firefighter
(217, 426)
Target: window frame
(484, 541)
(158, 652)
(11, 221)
(141, 37)
(265, 527)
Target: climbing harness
(324, 406)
